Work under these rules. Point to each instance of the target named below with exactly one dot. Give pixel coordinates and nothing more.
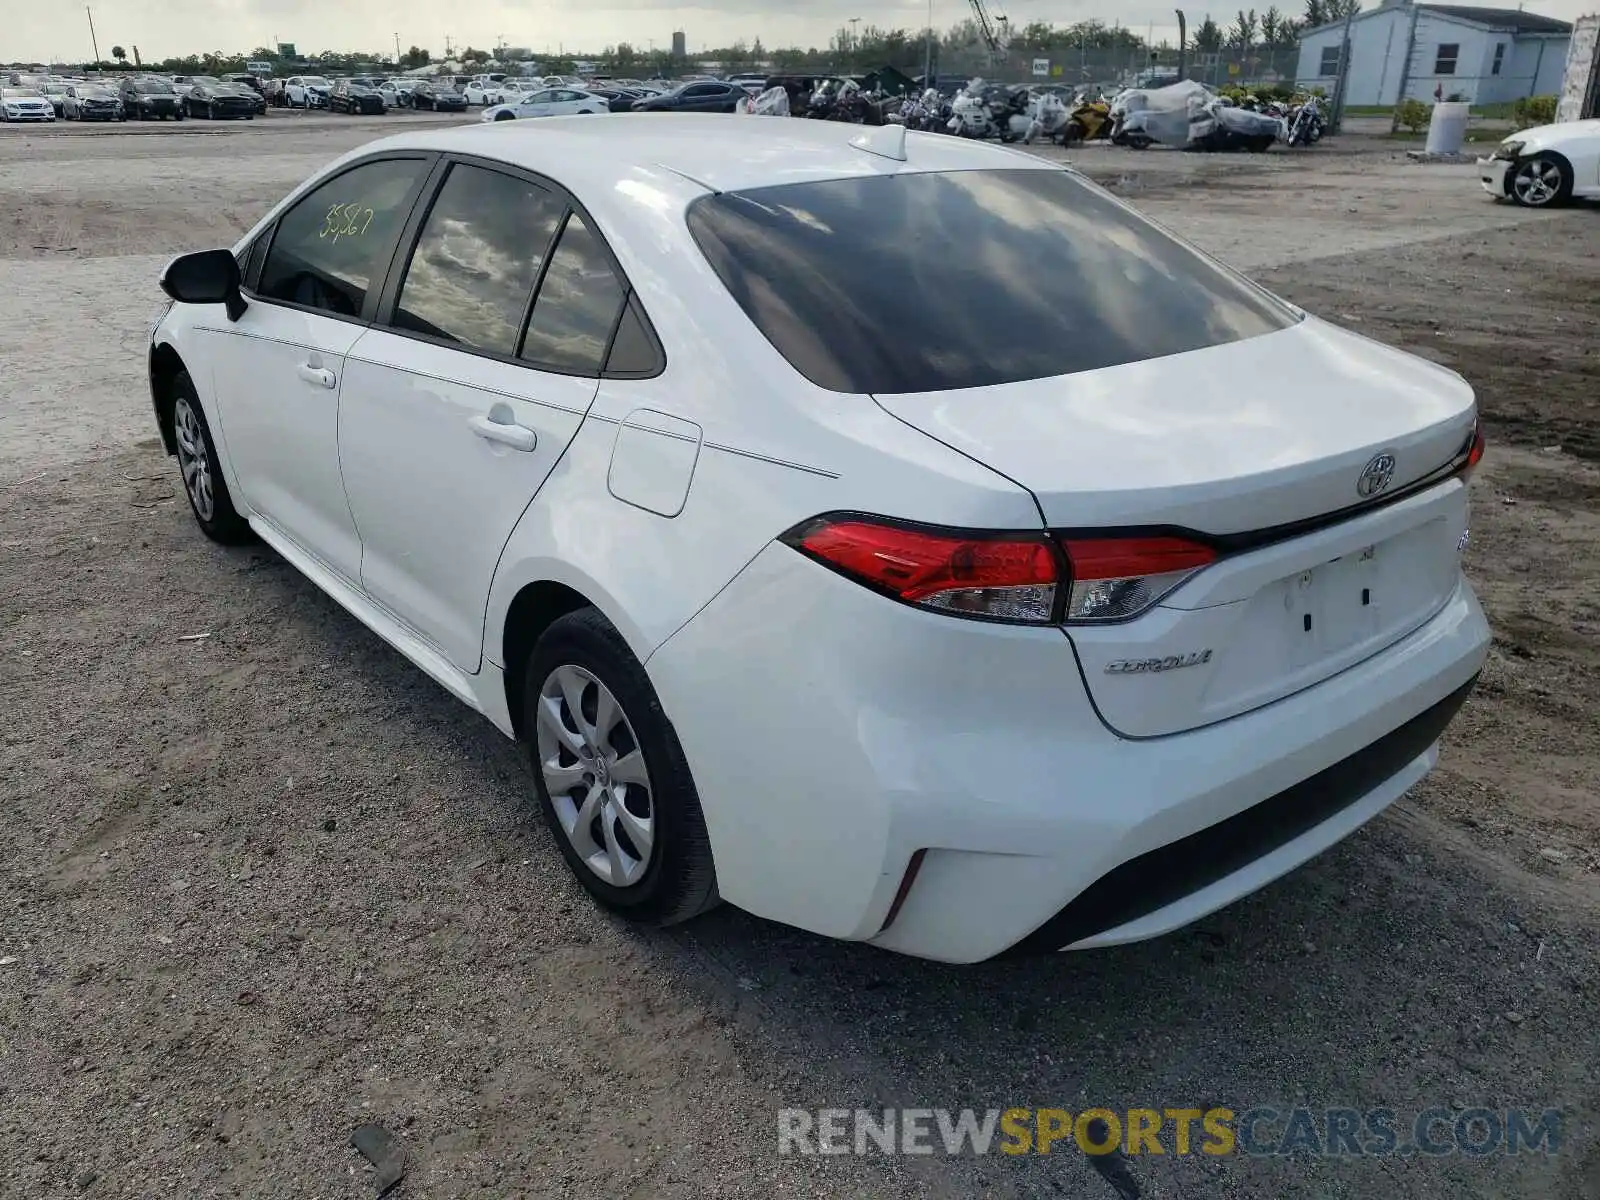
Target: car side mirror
(207, 277)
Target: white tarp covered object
(774, 102)
(1182, 113)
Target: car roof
(720, 152)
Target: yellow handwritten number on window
(346, 220)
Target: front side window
(335, 243)
(476, 260)
(925, 282)
(577, 305)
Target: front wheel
(202, 474)
(505, 117)
(611, 775)
(1542, 181)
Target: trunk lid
(1229, 442)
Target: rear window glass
(937, 281)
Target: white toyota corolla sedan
(893, 535)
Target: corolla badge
(1375, 476)
(1144, 666)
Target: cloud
(164, 28)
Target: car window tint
(335, 243)
(934, 281)
(577, 304)
(473, 270)
(633, 350)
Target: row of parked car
(130, 97)
(503, 98)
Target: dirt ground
(264, 886)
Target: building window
(1499, 57)
(1444, 62)
(1330, 61)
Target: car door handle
(320, 376)
(507, 433)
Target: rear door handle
(506, 432)
(320, 376)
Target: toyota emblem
(1375, 476)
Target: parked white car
(396, 93)
(1545, 166)
(485, 93)
(549, 102)
(306, 91)
(25, 104)
(927, 627)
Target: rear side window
(332, 245)
(577, 307)
(472, 273)
(937, 281)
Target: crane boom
(986, 27)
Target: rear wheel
(611, 776)
(1543, 181)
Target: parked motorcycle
(1051, 119)
(989, 110)
(1089, 121)
(1306, 123)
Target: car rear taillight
(1473, 454)
(998, 577)
(1115, 578)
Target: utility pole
(1405, 71)
(397, 49)
(93, 41)
(927, 52)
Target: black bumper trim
(1168, 873)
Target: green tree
(470, 55)
(1316, 13)
(414, 58)
(1338, 10)
(1208, 36)
(1243, 33)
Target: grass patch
(1485, 112)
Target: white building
(1420, 51)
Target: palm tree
(118, 53)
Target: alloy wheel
(1537, 182)
(193, 460)
(596, 776)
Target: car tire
(581, 655)
(504, 117)
(201, 469)
(1540, 181)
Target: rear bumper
(833, 734)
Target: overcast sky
(41, 30)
